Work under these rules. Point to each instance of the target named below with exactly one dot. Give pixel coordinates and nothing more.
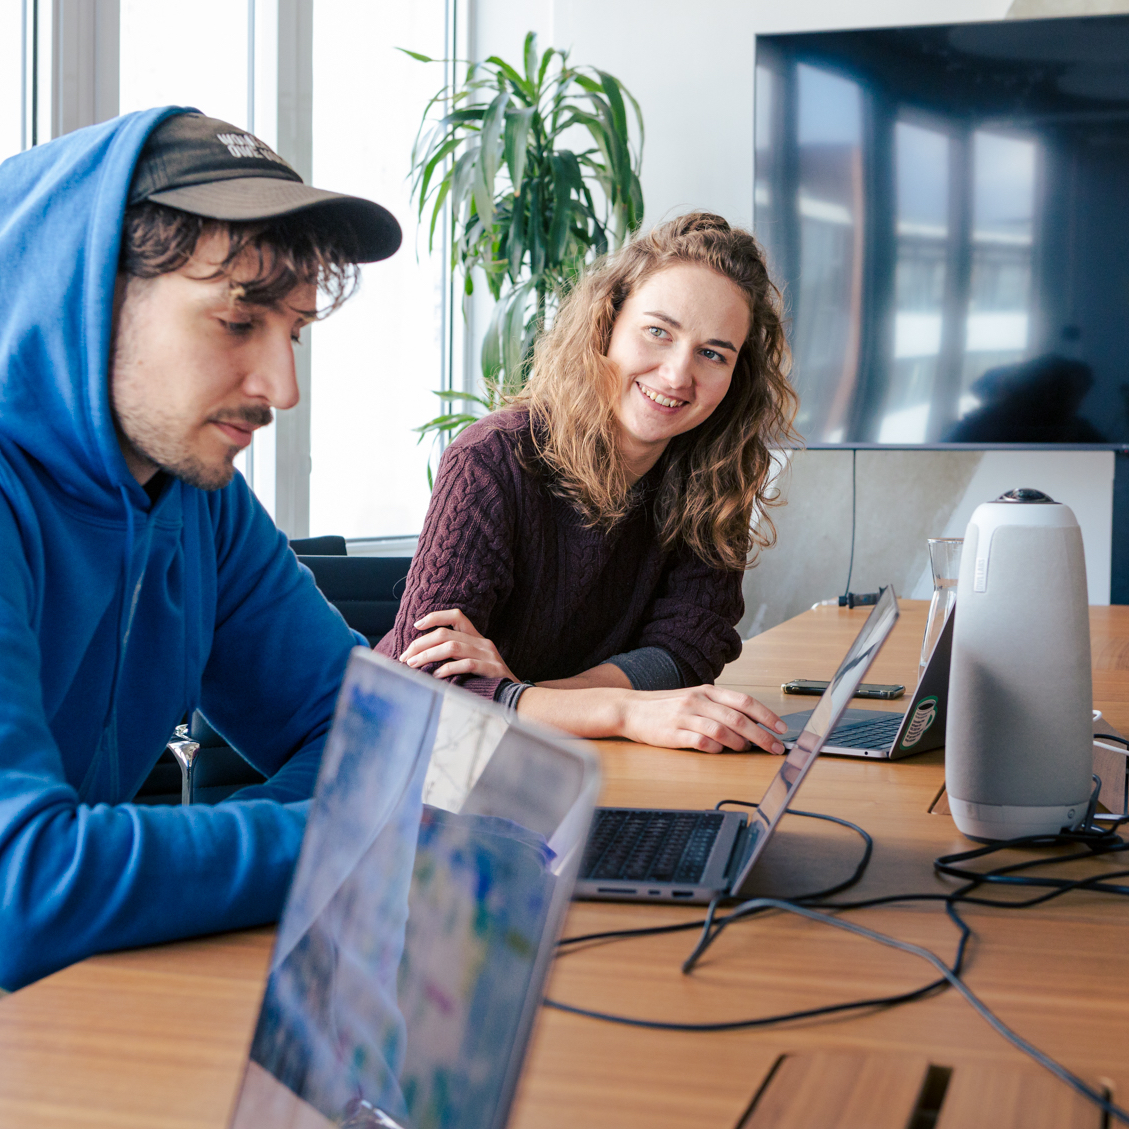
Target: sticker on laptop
(923, 717)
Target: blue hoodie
(118, 615)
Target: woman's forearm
(606, 674)
(708, 718)
(592, 711)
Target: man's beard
(153, 440)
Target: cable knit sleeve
(694, 615)
(465, 555)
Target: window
(377, 361)
(11, 77)
(167, 59)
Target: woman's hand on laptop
(455, 642)
(710, 719)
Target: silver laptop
(436, 869)
(641, 854)
(888, 735)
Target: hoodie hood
(61, 208)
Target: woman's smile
(664, 403)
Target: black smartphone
(865, 689)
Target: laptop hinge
(738, 855)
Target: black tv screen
(946, 209)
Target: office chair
(365, 590)
(199, 766)
(329, 546)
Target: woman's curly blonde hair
(713, 477)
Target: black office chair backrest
(365, 590)
(329, 546)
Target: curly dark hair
(158, 240)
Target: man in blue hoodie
(154, 271)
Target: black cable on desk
(1096, 842)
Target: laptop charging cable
(1093, 841)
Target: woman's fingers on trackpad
(750, 707)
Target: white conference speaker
(1019, 737)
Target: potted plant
(527, 211)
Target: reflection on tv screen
(944, 208)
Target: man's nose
(273, 377)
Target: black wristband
(509, 692)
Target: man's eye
(238, 328)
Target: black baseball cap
(209, 168)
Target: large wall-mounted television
(946, 209)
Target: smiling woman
(582, 557)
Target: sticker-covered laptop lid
(439, 857)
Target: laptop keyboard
(657, 846)
(878, 733)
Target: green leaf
(530, 53)
(445, 422)
(486, 167)
(473, 397)
(437, 211)
(517, 144)
(416, 55)
(441, 154)
(545, 60)
(562, 208)
(461, 177)
(491, 346)
(615, 101)
(516, 80)
(512, 328)
(515, 240)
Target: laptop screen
(438, 861)
(823, 720)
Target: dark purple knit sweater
(555, 597)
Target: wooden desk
(156, 1037)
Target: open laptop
(640, 854)
(437, 865)
(888, 735)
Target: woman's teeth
(664, 401)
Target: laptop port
(614, 890)
(683, 893)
